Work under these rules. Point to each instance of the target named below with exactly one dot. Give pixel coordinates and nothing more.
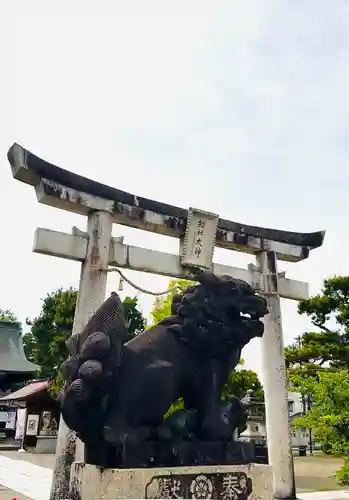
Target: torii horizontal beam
(74, 247)
(68, 191)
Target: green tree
(240, 380)
(135, 321)
(7, 315)
(319, 357)
(162, 305)
(327, 348)
(329, 414)
(44, 344)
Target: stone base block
(46, 444)
(226, 482)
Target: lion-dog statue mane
(117, 395)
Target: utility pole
(299, 344)
(306, 403)
(310, 432)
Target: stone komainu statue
(117, 395)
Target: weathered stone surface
(46, 444)
(212, 482)
(68, 191)
(74, 247)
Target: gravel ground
(313, 473)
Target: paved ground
(312, 474)
(34, 458)
(31, 478)
(324, 495)
(6, 494)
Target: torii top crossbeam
(68, 191)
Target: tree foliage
(7, 315)
(44, 344)
(328, 416)
(162, 304)
(240, 380)
(135, 321)
(328, 347)
(318, 365)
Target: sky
(236, 107)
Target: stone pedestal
(226, 482)
(46, 444)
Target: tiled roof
(27, 391)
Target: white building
(300, 437)
(296, 406)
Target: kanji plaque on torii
(96, 249)
(199, 239)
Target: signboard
(199, 239)
(20, 425)
(32, 425)
(10, 420)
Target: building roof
(27, 391)
(12, 357)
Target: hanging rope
(140, 289)
(170, 290)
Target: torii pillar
(95, 249)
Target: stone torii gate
(96, 250)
